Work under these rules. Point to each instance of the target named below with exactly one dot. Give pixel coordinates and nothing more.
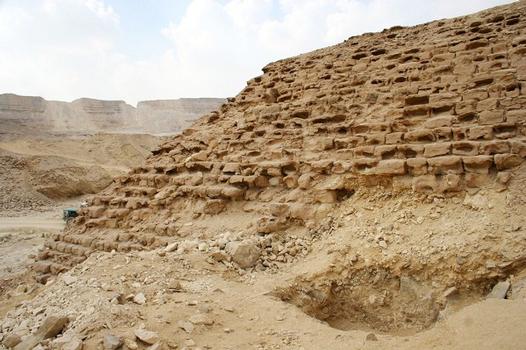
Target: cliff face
(11, 103)
(27, 114)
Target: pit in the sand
(374, 299)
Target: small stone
(172, 345)
(146, 336)
(245, 254)
(227, 330)
(175, 286)
(171, 247)
(139, 299)
(187, 326)
(228, 308)
(198, 319)
(500, 290)
(371, 337)
(112, 342)
(130, 344)
(204, 308)
(12, 340)
(69, 280)
(52, 326)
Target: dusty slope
(36, 171)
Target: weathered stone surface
(445, 118)
(52, 326)
(245, 254)
(500, 290)
(112, 342)
(146, 336)
(12, 340)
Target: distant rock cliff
(26, 114)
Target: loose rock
(112, 342)
(245, 254)
(146, 336)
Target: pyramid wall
(437, 108)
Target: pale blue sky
(149, 49)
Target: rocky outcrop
(11, 103)
(435, 108)
(27, 114)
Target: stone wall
(435, 108)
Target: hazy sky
(149, 49)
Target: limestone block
(480, 133)
(232, 192)
(394, 138)
(388, 167)
(491, 117)
(417, 166)
(507, 161)
(385, 152)
(437, 149)
(244, 253)
(422, 135)
(465, 148)
(361, 165)
(518, 147)
(445, 165)
(411, 151)
(438, 122)
(232, 168)
(495, 147)
(478, 164)
(516, 116)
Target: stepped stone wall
(437, 108)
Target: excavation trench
(376, 299)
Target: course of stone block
(435, 108)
